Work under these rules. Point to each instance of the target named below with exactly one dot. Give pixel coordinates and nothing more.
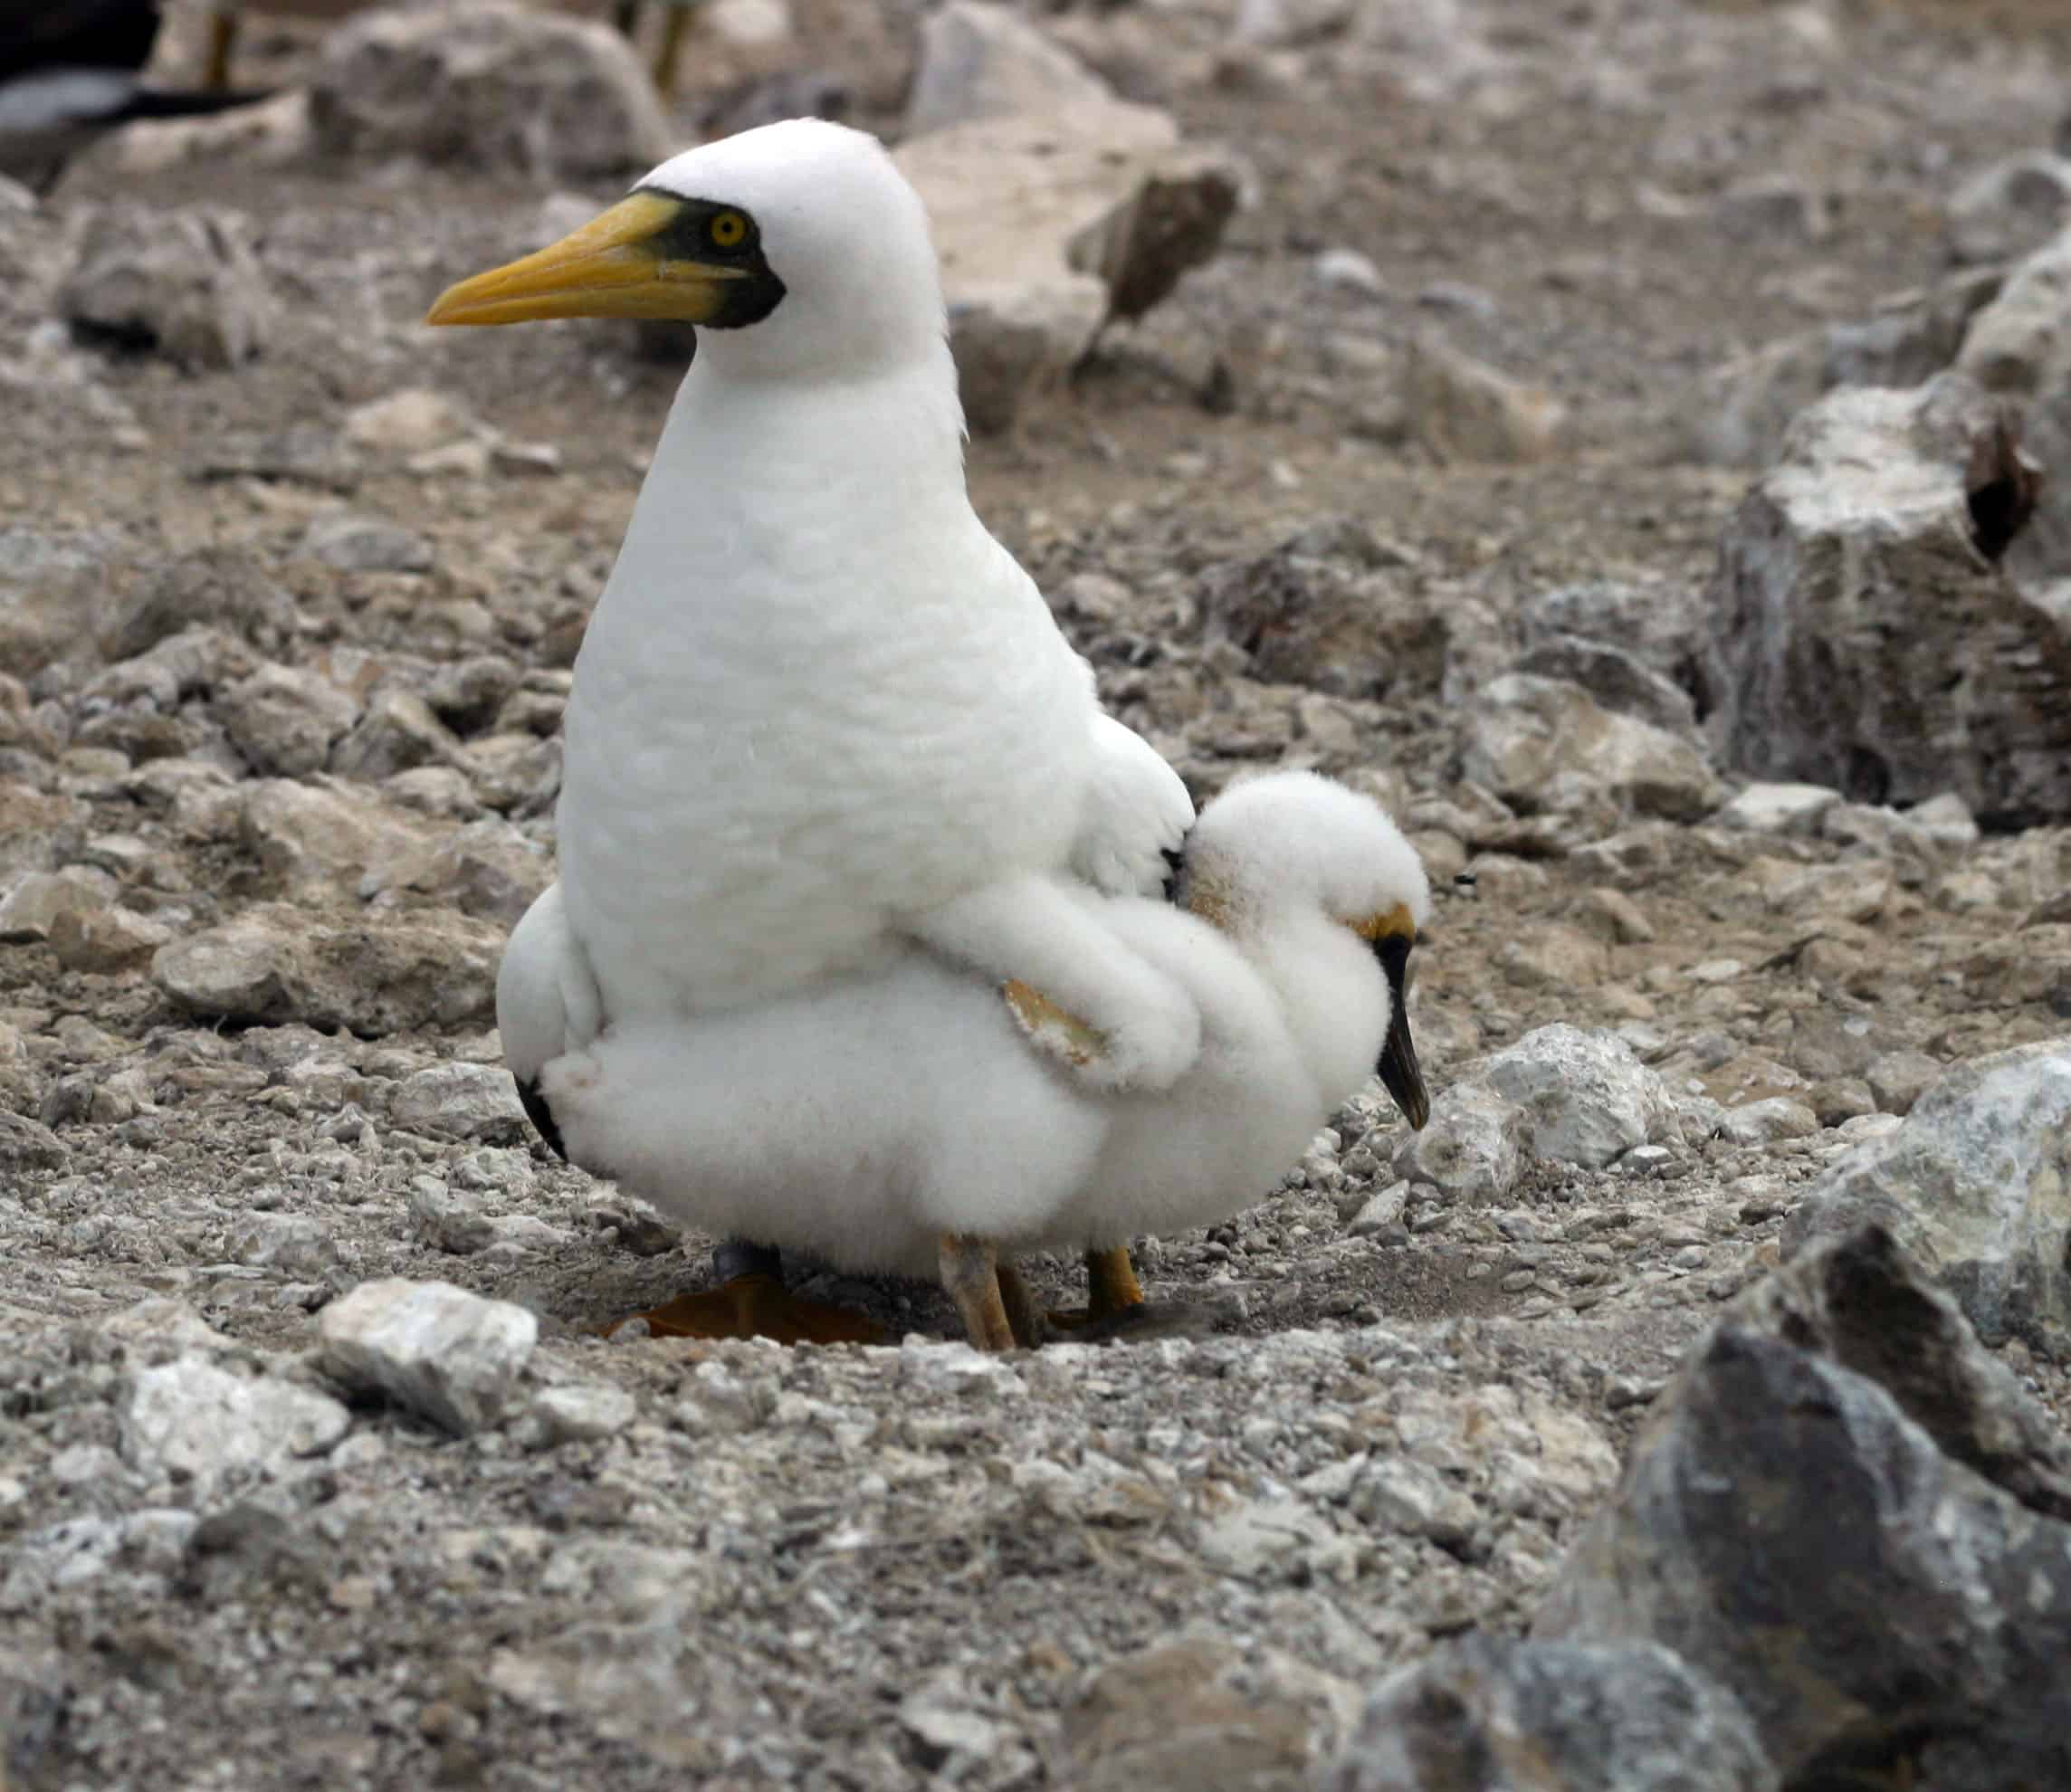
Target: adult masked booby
(70, 71)
(896, 1121)
(819, 709)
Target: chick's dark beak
(1398, 1068)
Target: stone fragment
(194, 1419)
(1976, 1184)
(1738, 413)
(178, 282)
(1544, 745)
(285, 719)
(51, 581)
(2012, 343)
(208, 587)
(272, 964)
(1864, 637)
(1898, 1079)
(106, 940)
(448, 1355)
(416, 420)
(31, 907)
(1460, 409)
(460, 1100)
(1049, 226)
(324, 837)
(490, 84)
(984, 61)
(1840, 1430)
(1332, 608)
(2006, 209)
(1617, 679)
(1559, 1094)
(29, 1145)
(581, 1414)
(398, 733)
(1765, 1122)
(1204, 1713)
(1501, 1714)
(1777, 808)
(358, 544)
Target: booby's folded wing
(1069, 982)
(546, 1003)
(1136, 816)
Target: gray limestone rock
(1846, 1514)
(1499, 1715)
(445, 1353)
(1976, 1184)
(198, 1421)
(181, 283)
(1865, 636)
(489, 83)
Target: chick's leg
(1112, 1291)
(751, 1301)
(970, 1274)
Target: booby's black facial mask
(653, 255)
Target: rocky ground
(1458, 468)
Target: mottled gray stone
(1976, 1183)
(1497, 1714)
(438, 1350)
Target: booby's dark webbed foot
(751, 1301)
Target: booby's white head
(1276, 851)
(799, 243)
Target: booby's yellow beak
(624, 264)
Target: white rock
(452, 1356)
(1765, 1122)
(1048, 226)
(982, 61)
(1583, 1097)
(581, 1414)
(192, 1417)
(460, 1100)
(2012, 343)
(1777, 808)
(1469, 1146)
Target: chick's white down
(862, 1121)
(816, 699)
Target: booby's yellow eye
(727, 230)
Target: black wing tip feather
(541, 1115)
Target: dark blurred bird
(70, 71)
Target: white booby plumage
(819, 709)
(866, 1119)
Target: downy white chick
(898, 1121)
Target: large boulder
(1848, 1514)
(1977, 1184)
(1864, 633)
(182, 283)
(1048, 225)
(983, 60)
(494, 84)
